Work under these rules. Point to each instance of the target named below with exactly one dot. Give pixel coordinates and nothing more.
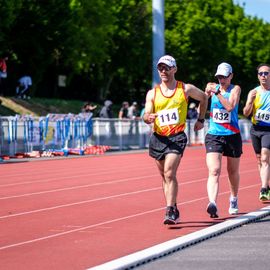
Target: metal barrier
(60, 131)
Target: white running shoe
(233, 210)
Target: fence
(58, 132)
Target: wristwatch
(201, 120)
(217, 92)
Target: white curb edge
(160, 250)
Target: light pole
(158, 46)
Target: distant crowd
(126, 111)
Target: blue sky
(259, 8)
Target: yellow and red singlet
(172, 111)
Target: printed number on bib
(168, 117)
(221, 116)
(263, 116)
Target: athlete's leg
(213, 161)
(233, 174)
(168, 169)
(265, 167)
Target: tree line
(104, 48)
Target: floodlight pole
(158, 47)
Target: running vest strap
(172, 111)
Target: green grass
(39, 106)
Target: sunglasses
(166, 68)
(264, 73)
(219, 77)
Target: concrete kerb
(144, 256)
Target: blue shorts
(229, 145)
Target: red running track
(81, 212)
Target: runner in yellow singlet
(166, 108)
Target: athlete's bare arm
(149, 117)
(249, 103)
(197, 94)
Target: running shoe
(264, 194)
(212, 210)
(171, 216)
(233, 210)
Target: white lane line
(160, 250)
(93, 200)
(108, 197)
(97, 184)
(78, 187)
(87, 173)
(79, 203)
(102, 223)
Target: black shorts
(229, 145)
(160, 146)
(260, 138)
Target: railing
(56, 132)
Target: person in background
(192, 112)
(133, 111)
(258, 105)
(223, 137)
(166, 108)
(192, 115)
(106, 111)
(123, 113)
(142, 110)
(88, 107)
(3, 74)
(23, 87)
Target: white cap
(167, 60)
(224, 69)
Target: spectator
(192, 111)
(88, 107)
(3, 74)
(23, 87)
(192, 115)
(123, 113)
(133, 111)
(142, 110)
(106, 111)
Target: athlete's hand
(252, 95)
(149, 117)
(198, 125)
(210, 88)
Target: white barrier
(24, 134)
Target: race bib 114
(168, 117)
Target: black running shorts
(229, 145)
(160, 146)
(260, 138)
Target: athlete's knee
(215, 171)
(169, 176)
(264, 160)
